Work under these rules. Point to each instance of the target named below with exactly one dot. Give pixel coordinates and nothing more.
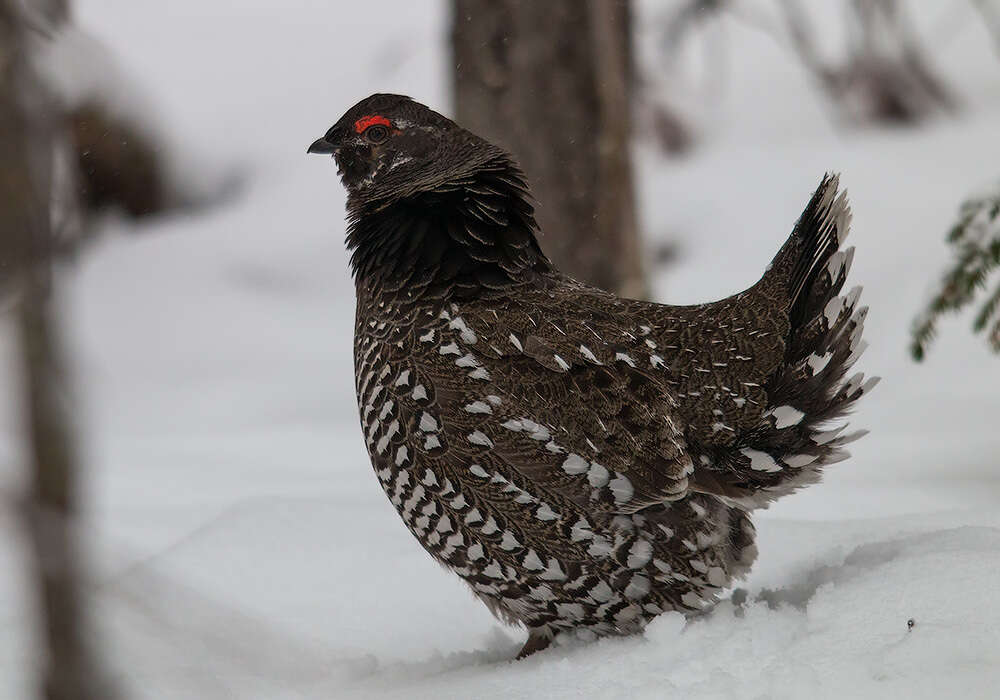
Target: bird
(584, 462)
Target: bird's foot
(537, 641)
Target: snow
(242, 545)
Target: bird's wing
(552, 400)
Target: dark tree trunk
(551, 82)
(30, 125)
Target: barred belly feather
(552, 553)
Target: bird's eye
(376, 133)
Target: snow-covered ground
(243, 547)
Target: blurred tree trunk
(551, 82)
(30, 126)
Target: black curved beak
(321, 145)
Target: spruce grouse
(584, 462)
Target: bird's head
(388, 147)
(431, 205)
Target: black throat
(457, 240)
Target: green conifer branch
(975, 239)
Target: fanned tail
(795, 438)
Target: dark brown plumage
(584, 462)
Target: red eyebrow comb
(369, 120)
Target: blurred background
(187, 509)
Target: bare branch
(990, 14)
(29, 121)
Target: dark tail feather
(814, 242)
(796, 440)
